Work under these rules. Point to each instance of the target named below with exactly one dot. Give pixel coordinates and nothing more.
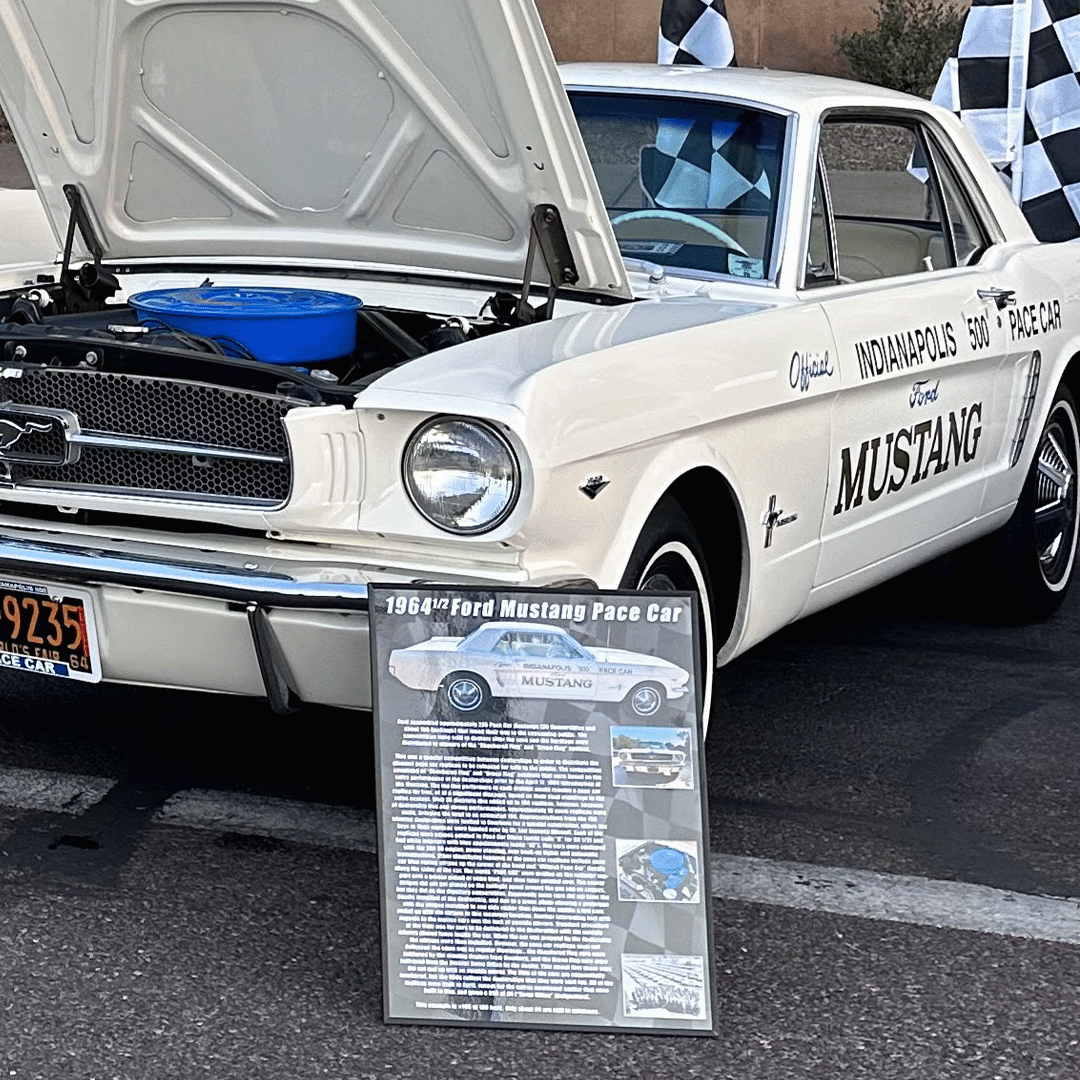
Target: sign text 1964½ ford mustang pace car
(289, 347)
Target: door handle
(1001, 297)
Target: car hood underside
(400, 133)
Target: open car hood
(389, 133)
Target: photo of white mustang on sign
(532, 660)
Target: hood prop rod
(87, 288)
(79, 217)
(548, 236)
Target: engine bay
(76, 323)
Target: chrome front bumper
(261, 619)
(211, 575)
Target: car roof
(790, 91)
(521, 626)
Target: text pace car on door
(531, 660)
(355, 292)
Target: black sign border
(375, 592)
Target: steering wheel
(687, 219)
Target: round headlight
(461, 475)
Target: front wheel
(1031, 559)
(465, 692)
(646, 699)
(668, 558)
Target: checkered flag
(695, 32)
(701, 165)
(1024, 108)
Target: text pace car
(627, 326)
(531, 660)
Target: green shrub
(908, 48)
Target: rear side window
(897, 205)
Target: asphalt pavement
(898, 759)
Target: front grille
(158, 437)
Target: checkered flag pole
(695, 32)
(1013, 80)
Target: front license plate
(49, 630)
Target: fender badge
(775, 519)
(594, 486)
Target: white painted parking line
(857, 893)
(58, 793)
(301, 823)
(951, 905)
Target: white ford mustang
(355, 292)
(532, 660)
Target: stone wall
(789, 34)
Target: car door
(549, 665)
(913, 305)
(504, 664)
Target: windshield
(689, 184)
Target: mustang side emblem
(775, 519)
(594, 486)
(11, 433)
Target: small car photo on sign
(658, 871)
(501, 661)
(656, 757)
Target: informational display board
(543, 844)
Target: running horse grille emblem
(11, 433)
(36, 437)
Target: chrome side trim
(1026, 408)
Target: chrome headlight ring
(462, 475)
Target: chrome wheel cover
(465, 695)
(646, 701)
(1055, 497)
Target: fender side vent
(1026, 407)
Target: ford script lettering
(887, 463)
(911, 348)
(922, 393)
